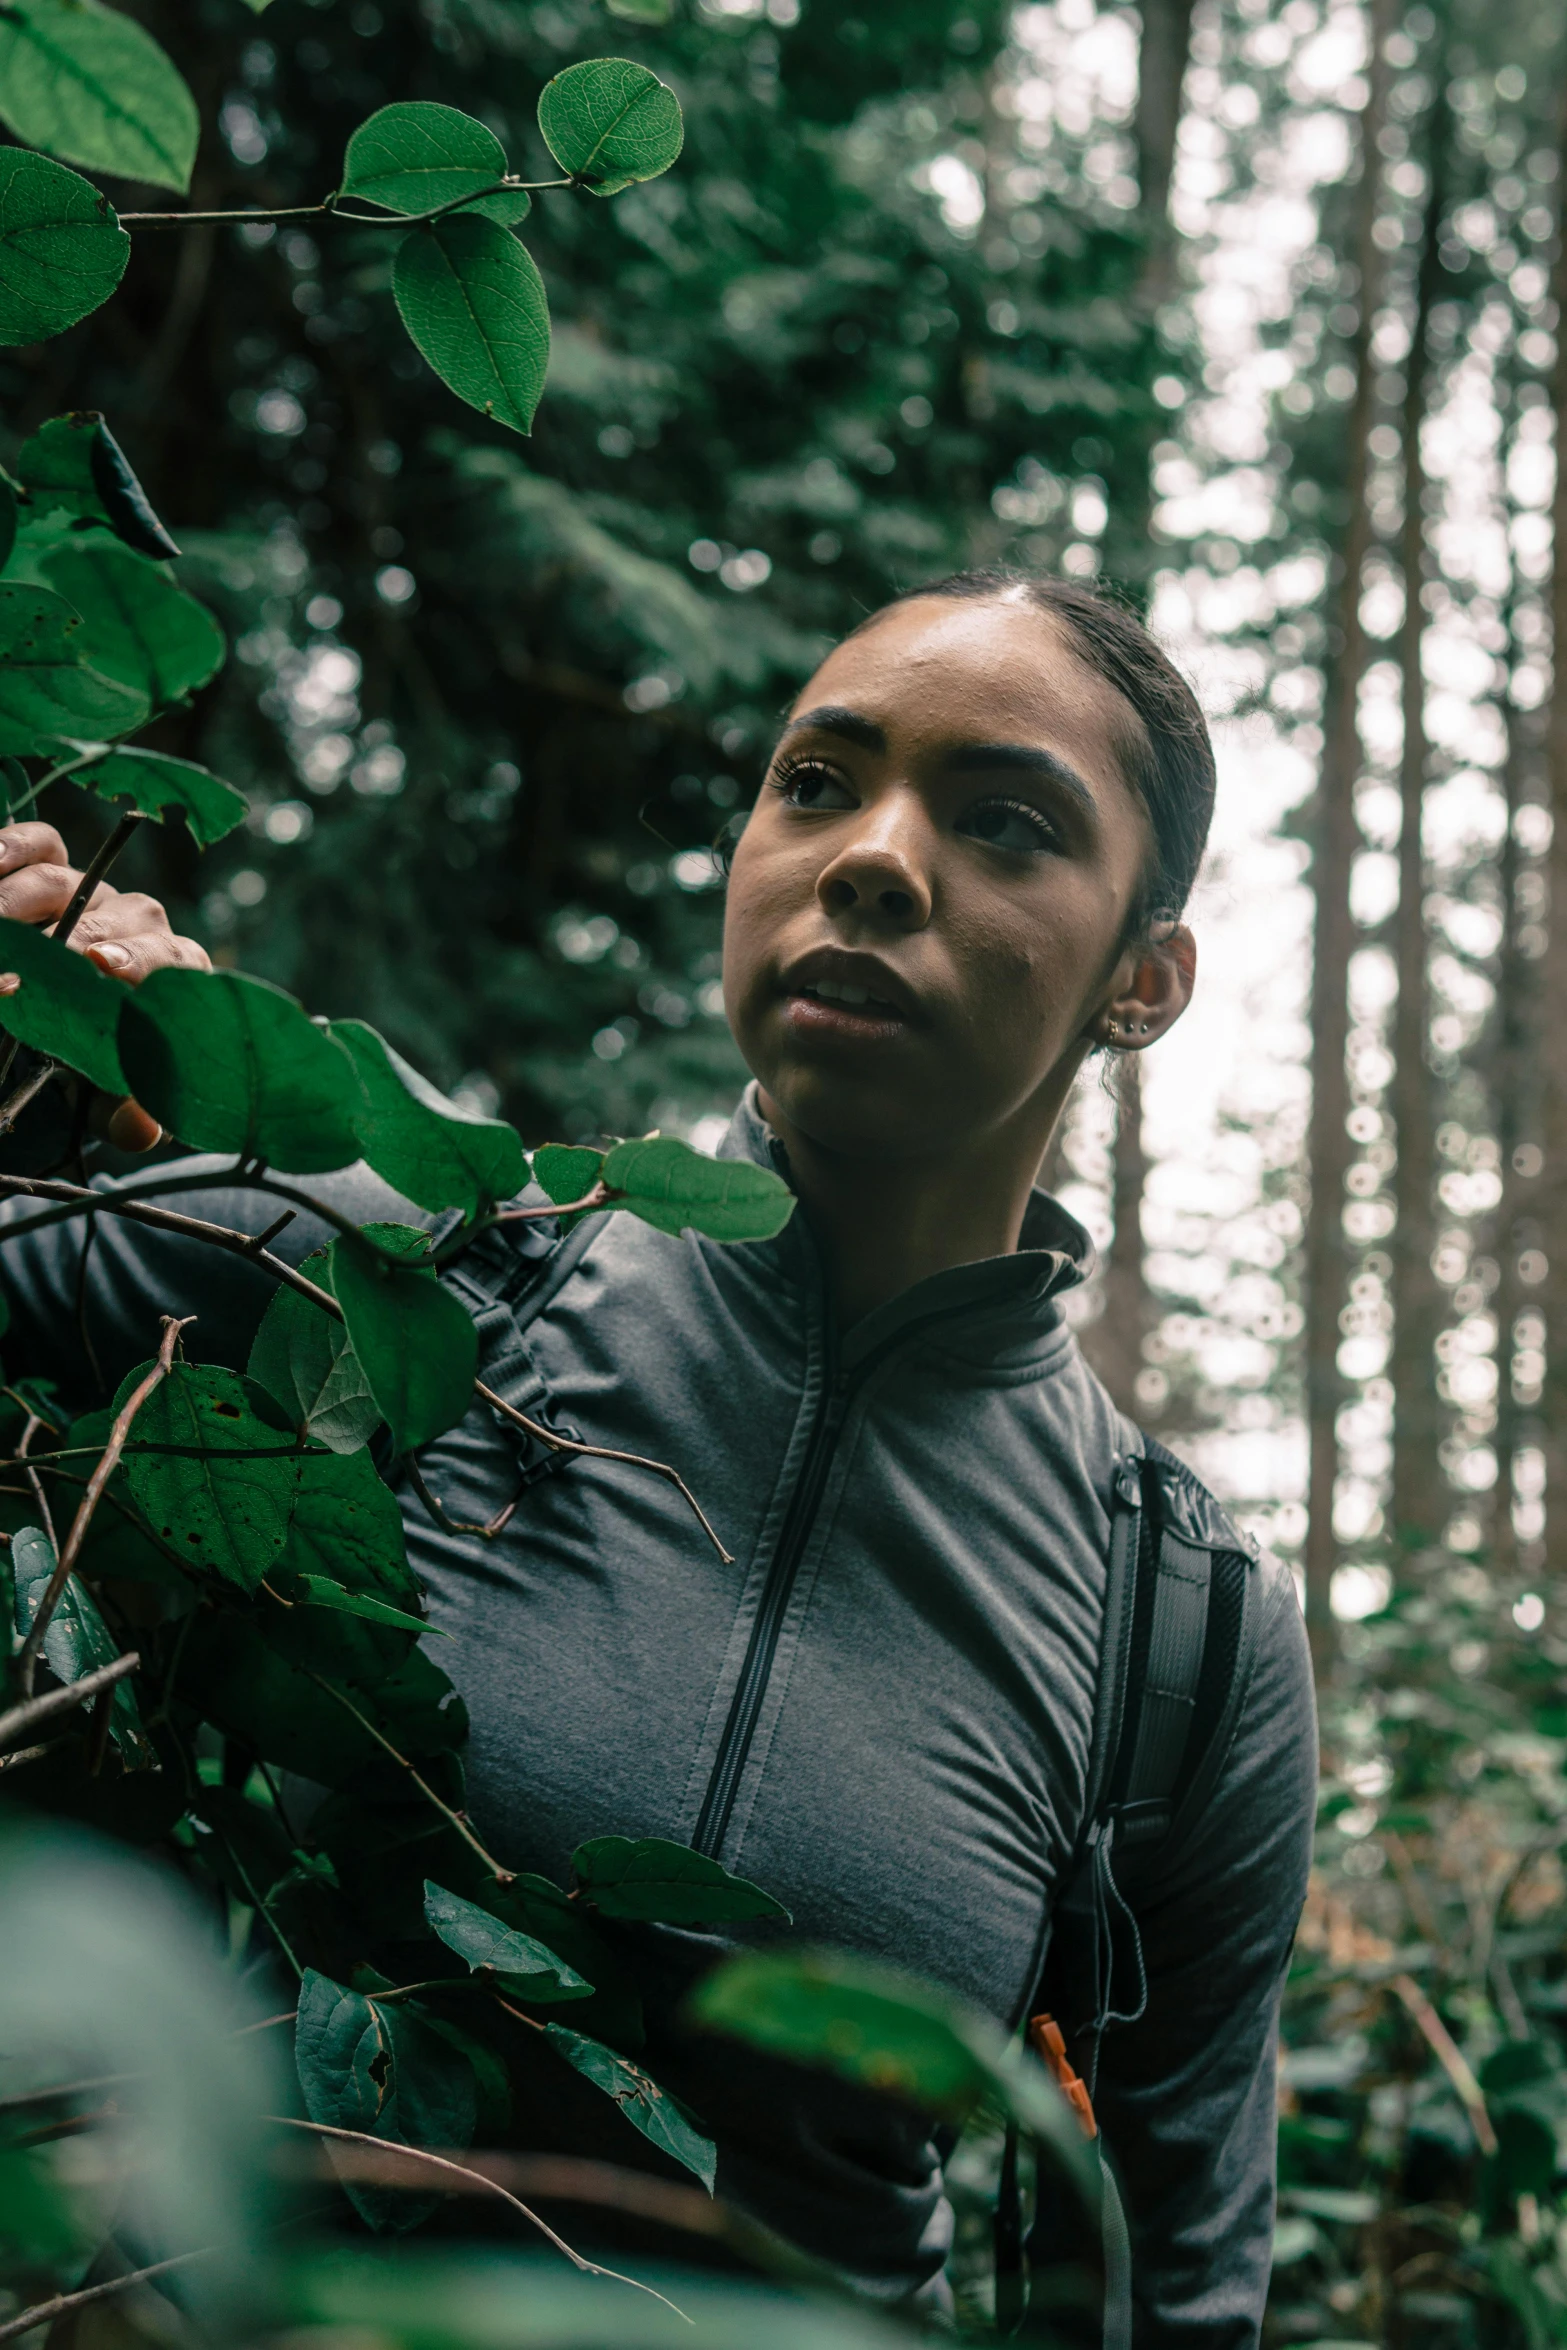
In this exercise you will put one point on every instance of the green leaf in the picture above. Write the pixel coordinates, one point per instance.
(610, 123)
(414, 156)
(247, 1687)
(420, 1143)
(64, 1006)
(8, 520)
(367, 2066)
(565, 1172)
(62, 250)
(229, 1063)
(645, 2105)
(307, 1364)
(542, 1910)
(321, 1591)
(416, 1342)
(89, 84)
(47, 692)
(890, 2032)
(137, 626)
(73, 464)
(157, 784)
(675, 1189)
(474, 303)
(76, 1639)
(347, 1525)
(516, 1960)
(224, 1499)
(652, 1878)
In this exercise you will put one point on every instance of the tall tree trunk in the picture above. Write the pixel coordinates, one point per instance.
(1509, 1066)
(1333, 853)
(1161, 70)
(1114, 1343)
(1553, 975)
(1417, 1478)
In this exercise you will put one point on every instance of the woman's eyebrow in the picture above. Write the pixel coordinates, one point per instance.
(1019, 758)
(832, 719)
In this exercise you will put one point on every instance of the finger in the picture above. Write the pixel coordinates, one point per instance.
(37, 893)
(131, 959)
(130, 1128)
(30, 844)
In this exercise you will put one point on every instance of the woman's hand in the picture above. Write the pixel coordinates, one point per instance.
(124, 932)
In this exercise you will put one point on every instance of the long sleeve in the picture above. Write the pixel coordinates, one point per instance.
(1186, 2096)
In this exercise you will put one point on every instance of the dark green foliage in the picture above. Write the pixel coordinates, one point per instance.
(651, 1878)
(138, 627)
(515, 1960)
(645, 2105)
(62, 251)
(153, 783)
(63, 1006)
(370, 2065)
(214, 1480)
(474, 302)
(230, 1064)
(415, 1343)
(423, 1145)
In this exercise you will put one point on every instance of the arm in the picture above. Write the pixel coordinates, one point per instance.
(1186, 2095)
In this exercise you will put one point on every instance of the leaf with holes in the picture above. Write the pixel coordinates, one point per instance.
(74, 465)
(160, 786)
(346, 1525)
(90, 85)
(473, 301)
(76, 1639)
(416, 1342)
(232, 1064)
(610, 123)
(651, 1878)
(519, 1964)
(48, 694)
(137, 626)
(62, 250)
(646, 2106)
(420, 1143)
(676, 1189)
(416, 155)
(64, 1006)
(222, 1491)
(367, 2065)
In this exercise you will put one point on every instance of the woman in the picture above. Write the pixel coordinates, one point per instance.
(962, 877)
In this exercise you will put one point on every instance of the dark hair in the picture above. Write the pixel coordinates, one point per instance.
(1167, 757)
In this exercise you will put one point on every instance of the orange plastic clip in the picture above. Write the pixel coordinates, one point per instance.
(1044, 2037)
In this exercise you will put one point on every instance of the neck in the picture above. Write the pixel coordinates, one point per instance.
(884, 1224)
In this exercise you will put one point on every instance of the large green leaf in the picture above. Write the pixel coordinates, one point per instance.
(62, 249)
(420, 1143)
(518, 1963)
(89, 84)
(645, 2105)
(651, 1878)
(346, 1526)
(307, 1364)
(73, 464)
(294, 1715)
(417, 1345)
(137, 626)
(675, 1188)
(474, 303)
(64, 1006)
(415, 155)
(47, 691)
(566, 1171)
(610, 123)
(223, 1493)
(365, 2065)
(76, 1639)
(159, 785)
(229, 1063)
(892, 2032)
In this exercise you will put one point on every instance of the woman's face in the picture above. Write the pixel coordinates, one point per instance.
(926, 908)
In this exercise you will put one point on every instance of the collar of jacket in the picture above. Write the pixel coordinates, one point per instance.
(1005, 1293)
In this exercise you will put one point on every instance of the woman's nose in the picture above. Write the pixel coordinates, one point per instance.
(884, 871)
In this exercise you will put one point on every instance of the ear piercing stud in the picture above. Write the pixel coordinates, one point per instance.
(1133, 1028)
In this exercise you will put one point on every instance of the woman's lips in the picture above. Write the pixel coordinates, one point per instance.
(831, 1009)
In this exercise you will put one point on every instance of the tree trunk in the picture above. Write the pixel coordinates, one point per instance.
(1333, 853)
(1553, 976)
(1114, 1343)
(1417, 1477)
(1161, 70)
(1509, 1067)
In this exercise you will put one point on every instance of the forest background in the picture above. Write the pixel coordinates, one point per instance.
(1249, 311)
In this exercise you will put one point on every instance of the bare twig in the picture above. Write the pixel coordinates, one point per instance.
(501, 1876)
(502, 187)
(562, 2179)
(1451, 2059)
(59, 1701)
(109, 1461)
(29, 1754)
(599, 1197)
(239, 1244)
(44, 2313)
(420, 2154)
(95, 872)
(602, 1452)
(28, 1091)
(35, 1487)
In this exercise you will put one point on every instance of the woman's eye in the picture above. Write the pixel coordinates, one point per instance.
(814, 787)
(1010, 824)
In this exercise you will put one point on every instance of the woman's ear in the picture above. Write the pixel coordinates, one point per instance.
(1158, 992)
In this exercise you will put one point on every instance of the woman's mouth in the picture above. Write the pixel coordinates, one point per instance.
(832, 1007)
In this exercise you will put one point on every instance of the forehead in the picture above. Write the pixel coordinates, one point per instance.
(942, 670)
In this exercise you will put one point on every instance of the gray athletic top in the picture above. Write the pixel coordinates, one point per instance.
(881, 1711)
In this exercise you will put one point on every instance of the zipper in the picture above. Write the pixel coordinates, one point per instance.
(745, 1706)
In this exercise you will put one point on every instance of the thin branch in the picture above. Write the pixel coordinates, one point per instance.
(568, 2178)
(419, 2154)
(27, 1662)
(501, 1876)
(26, 1093)
(503, 187)
(239, 1244)
(1451, 2059)
(44, 2313)
(95, 872)
(30, 1754)
(599, 1197)
(602, 1452)
(35, 1487)
(59, 1701)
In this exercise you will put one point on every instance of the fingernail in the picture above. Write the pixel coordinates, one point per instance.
(112, 957)
(10, 981)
